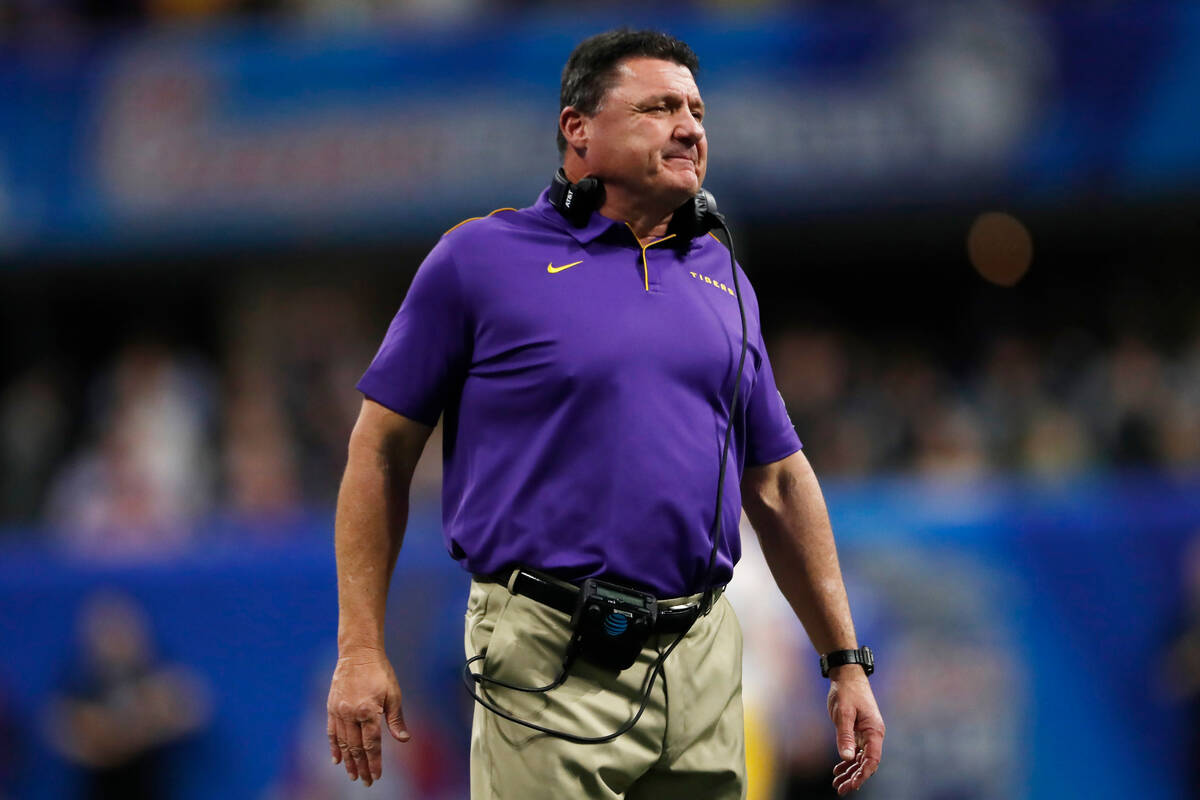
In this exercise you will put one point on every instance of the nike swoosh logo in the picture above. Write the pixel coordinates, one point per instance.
(551, 268)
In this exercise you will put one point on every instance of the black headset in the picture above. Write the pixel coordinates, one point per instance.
(577, 202)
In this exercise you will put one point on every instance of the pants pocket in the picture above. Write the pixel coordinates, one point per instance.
(525, 648)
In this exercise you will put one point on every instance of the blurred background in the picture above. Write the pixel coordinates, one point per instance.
(973, 228)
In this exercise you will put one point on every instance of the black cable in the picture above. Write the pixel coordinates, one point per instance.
(471, 678)
(737, 385)
(481, 678)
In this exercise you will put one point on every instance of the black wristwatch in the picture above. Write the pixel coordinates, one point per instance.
(837, 658)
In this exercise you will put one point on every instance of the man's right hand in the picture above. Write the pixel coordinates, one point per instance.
(363, 688)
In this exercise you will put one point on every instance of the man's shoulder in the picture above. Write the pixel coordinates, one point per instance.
(717, 236)
(492, 246)
(485, 221)
(497, 225)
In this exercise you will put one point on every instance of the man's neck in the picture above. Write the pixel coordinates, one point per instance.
(648, 221)
(647, 218)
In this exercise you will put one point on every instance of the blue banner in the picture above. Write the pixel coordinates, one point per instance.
(262, 135)
(1021, 631)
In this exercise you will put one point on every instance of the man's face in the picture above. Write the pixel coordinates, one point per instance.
(647, 135)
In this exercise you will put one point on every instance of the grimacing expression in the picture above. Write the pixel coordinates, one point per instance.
(648, 134)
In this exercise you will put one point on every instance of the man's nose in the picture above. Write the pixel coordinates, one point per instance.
(688, 129)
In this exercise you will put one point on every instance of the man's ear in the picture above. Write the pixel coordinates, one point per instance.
(574, 126)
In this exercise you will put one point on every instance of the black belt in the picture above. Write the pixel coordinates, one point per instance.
(563, 597)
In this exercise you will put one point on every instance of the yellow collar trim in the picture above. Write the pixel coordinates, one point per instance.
(645, 266)
(472, 219)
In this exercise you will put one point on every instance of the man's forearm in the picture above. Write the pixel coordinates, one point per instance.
(788, 512)
(372, 512)
(784, 503)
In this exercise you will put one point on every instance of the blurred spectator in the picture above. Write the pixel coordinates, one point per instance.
(138, 487)
(1179, 436)
(1008, 392)
(33, 435)
(1182, 667)
(122, 707)
(1054, 443)
(949, 442)
(295, 354)
(262, 485)
(1178, 439)
(1138, 393)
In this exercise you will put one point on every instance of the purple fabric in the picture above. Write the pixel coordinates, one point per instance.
(584, 414)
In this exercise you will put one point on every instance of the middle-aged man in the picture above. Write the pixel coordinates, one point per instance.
(583, 353)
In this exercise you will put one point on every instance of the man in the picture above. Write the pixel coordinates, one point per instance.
(584, 361)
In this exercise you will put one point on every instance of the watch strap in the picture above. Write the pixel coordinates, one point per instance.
(862, 656)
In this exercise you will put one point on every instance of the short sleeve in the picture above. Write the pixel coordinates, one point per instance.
(770, 435)
(426, 350)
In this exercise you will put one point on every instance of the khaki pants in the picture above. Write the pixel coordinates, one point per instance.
(689, 743)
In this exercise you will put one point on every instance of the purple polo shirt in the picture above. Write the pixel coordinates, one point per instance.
(584, 382)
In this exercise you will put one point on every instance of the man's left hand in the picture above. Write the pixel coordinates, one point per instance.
(859, 726)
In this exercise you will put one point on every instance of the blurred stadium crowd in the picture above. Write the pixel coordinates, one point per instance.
(169, 436)
(130, 456)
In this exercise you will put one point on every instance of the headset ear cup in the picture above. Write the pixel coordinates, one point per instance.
(696, 217)
(576, 201)
(706, 211)
(688, 220)
(591, 197)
